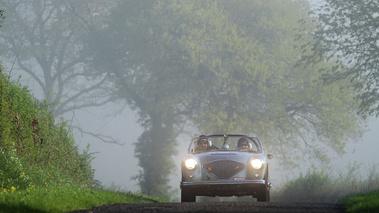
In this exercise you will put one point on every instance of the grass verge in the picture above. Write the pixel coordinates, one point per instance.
(364, 202)
(64, 199)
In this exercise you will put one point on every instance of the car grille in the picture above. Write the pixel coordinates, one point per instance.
(224, 169)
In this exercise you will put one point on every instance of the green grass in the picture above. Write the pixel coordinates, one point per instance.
(64, 199)
(362, 203)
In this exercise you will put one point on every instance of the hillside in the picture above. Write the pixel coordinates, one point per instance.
(41, 169)
(35, 149)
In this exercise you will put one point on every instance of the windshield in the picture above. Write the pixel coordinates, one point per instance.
(226, 143)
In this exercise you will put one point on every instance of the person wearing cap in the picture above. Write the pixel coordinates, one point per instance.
(202, 143)
(243, 143)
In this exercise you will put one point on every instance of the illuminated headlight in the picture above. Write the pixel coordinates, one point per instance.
(256, 163)
(190, 163)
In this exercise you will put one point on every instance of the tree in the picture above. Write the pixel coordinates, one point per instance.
(347, 35)
(253, 85)
(144, 73)
(45, 39)
(227, 66)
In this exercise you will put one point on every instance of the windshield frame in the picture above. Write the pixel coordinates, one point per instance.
(228, 144)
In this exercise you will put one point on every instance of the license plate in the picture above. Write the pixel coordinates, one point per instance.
(239, 178)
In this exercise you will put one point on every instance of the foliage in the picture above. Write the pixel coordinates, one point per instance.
(346, 34)
(364, 202)
(327, 186)
(313, 187)
(34, 149)
(64, 198)
(225, 66)
(249, 83)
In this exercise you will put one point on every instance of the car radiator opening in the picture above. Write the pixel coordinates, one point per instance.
(224, 169)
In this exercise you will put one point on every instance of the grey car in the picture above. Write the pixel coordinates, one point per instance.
(224, 168)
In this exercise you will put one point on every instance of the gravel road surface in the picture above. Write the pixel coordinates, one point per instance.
(225, 207)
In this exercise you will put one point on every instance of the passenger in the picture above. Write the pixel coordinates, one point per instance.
(243, 143)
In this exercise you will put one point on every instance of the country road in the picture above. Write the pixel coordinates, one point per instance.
(229, 207)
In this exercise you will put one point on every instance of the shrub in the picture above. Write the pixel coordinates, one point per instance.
(320, 186)
(314, 186)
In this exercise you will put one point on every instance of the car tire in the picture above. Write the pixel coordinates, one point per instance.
(264, 194)
(187, 196)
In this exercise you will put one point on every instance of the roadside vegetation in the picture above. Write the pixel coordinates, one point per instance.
(35, 149)
(41, 168)
(328, 187)
(356, 187)
(64, 198)
(364, 202)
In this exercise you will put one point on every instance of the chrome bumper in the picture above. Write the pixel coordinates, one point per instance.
(229, 182)
(224, 188)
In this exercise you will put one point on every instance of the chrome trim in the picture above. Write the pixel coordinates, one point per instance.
(231, 182)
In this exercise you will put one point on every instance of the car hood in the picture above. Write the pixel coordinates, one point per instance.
(242, 157)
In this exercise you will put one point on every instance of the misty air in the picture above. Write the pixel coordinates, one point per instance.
(248, 103)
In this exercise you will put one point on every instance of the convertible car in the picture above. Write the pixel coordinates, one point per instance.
(225, 165)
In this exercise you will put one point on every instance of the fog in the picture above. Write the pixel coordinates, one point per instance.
(115, 164)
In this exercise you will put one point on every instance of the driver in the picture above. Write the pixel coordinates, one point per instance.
(202, 143)
(243, 143)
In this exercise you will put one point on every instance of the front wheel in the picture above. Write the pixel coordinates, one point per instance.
(264, 195)
(187, 196)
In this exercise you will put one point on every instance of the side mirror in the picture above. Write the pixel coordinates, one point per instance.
(270, 156)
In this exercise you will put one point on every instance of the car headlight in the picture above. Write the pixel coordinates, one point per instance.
(256, 163)
(190, 163)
